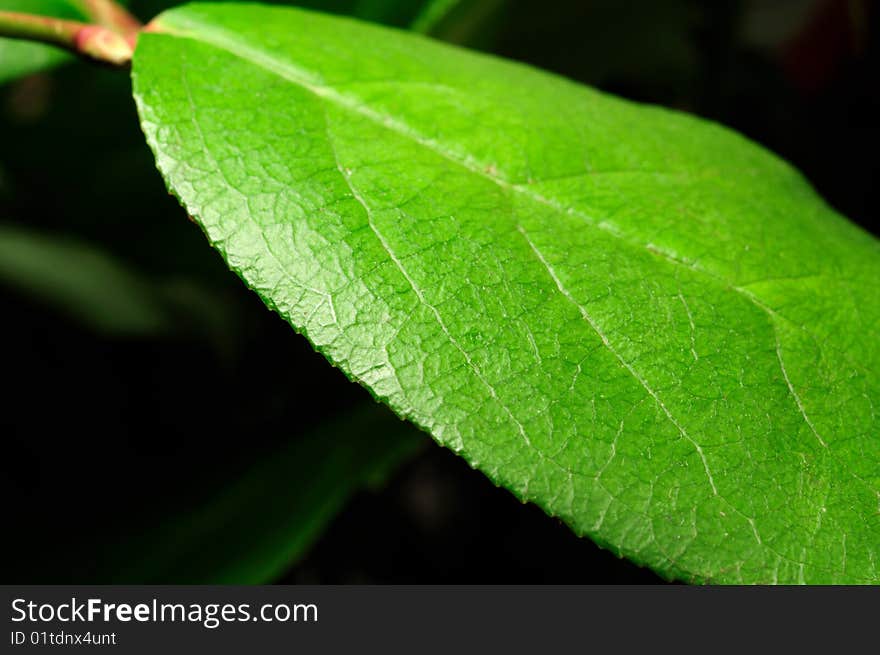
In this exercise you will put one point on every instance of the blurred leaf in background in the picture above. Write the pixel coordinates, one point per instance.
(82, 282)
(249, 529)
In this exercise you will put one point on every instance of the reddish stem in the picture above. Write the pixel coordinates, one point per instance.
(92, 41)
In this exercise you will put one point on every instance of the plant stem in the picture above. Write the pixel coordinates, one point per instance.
(92, 41)
(111, 15)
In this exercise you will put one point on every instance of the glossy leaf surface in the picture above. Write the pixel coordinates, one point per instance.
(641, 321)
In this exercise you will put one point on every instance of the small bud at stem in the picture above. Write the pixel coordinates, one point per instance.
(102, 44)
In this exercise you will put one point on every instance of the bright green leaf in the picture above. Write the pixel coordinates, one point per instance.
(639, 320)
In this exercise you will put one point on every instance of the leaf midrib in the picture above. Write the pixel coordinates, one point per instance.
(223, 40)
(232, 44)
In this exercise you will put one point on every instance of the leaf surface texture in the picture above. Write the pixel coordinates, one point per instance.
(641, 321)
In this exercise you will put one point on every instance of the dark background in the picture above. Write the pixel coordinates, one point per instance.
(100, 428)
